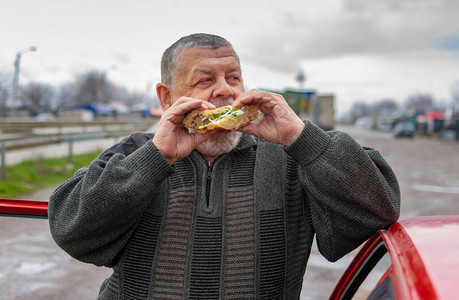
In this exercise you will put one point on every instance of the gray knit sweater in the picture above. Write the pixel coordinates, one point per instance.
(240, 228)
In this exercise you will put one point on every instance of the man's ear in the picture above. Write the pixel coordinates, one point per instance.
(164, 95)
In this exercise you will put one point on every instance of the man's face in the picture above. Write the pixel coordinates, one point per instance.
(212, 75)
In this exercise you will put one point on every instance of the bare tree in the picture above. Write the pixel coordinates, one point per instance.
(67, 95)
(419, 103)
(384, 107)
(6, 85)
(93, 87)
(37, 96)
(359, 109)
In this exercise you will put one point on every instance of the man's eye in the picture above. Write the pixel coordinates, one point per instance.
(234, 78)
(205, 80)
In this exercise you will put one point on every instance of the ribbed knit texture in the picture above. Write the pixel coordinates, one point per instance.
(298, 244)
(272, 254)
(153, 224)
(206, 259)
(240, 249)
(139, 258)
(171, 261)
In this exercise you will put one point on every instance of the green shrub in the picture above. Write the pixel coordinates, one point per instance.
(28, 176)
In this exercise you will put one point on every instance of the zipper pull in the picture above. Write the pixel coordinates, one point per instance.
(209, 170)
(208, 182)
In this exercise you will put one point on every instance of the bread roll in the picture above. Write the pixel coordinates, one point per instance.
(225, 117)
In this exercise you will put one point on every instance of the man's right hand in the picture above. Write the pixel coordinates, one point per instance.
(172, 138)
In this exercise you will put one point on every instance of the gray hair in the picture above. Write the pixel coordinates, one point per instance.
(170, 63)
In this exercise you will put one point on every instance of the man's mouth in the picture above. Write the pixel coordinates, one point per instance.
(221, 102)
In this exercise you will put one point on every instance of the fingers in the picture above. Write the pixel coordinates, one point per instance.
(271, 104)
(279, 124)
(176, 113)
(186, 104)
(252, 97)
(248, 98)
(264, 100)
(202, 137)
(250, 129)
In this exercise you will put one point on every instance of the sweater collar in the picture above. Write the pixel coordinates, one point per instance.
(246, 141)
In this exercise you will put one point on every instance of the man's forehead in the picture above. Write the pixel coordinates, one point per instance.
(199, 56)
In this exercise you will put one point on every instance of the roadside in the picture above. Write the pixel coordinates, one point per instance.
(34, 267)
(57, 150)
(42, 194)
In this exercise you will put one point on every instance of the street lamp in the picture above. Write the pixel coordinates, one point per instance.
(17, 63)
(301, 78)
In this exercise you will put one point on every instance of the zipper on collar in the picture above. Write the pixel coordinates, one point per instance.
(210, 165)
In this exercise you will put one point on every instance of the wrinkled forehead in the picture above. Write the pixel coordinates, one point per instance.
(189, 58)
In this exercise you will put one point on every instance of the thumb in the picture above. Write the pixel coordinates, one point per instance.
(202, 137)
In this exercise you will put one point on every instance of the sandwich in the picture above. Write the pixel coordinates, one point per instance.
(225, 117)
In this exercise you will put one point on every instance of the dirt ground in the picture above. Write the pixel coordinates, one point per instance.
(33, 267)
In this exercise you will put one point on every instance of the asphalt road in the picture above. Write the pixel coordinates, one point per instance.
(427, 171)
(33, 267)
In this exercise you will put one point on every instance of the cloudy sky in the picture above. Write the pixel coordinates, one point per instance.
(359, 50)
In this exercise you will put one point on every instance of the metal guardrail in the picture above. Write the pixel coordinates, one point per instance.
(5, 123)
(21, 140)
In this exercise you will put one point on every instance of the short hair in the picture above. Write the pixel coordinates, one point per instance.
(170, 64)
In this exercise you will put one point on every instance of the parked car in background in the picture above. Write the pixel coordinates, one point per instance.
(404, 129)
(416, 258)
(45, 117)
(365, 122)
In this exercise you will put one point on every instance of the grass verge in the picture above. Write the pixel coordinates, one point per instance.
(30, 175)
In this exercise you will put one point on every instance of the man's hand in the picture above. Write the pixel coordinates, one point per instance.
(280, 124)
(172, 138)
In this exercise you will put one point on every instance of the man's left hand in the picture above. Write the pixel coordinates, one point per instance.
(280, 124)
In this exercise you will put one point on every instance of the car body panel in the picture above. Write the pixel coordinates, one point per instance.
(437, 242)
(424, 254)
(410, 278)
(24, 208)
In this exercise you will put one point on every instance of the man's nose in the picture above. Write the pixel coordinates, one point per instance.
(222, 89)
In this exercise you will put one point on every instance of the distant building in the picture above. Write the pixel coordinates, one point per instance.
(309, 105)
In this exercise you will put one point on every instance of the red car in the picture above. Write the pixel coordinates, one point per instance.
(416, 258)
(24, 208)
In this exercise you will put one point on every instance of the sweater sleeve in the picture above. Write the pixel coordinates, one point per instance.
(93, 214)
(351, 190)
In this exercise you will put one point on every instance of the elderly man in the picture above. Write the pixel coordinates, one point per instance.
(223, 214)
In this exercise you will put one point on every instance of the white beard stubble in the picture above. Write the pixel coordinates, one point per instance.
(220, 142)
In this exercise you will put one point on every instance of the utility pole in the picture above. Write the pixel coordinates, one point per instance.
(17, 67)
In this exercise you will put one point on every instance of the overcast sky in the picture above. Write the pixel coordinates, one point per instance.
(359, 50)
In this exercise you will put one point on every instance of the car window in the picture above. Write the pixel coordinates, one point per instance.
(369, 274)
(384, 291)
(367, 287)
